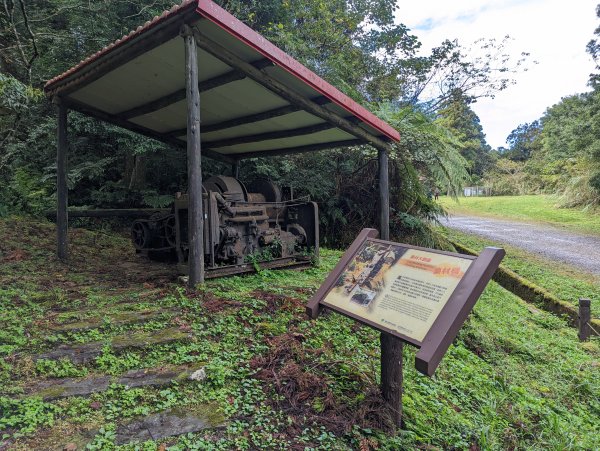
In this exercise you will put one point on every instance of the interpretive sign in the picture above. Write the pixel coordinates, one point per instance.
(421, 296)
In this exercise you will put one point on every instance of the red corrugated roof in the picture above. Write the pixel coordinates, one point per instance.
(233, 26)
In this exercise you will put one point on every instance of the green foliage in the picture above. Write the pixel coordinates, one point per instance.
(333, 39)
(457, 116)
(431, 148)
(25, 416)
(559, 154)
(59, 368)
(26, 192)
(16, 96)
(508, 178)
(267, 254)
(569, 155)
(523, 141)
(595, 181)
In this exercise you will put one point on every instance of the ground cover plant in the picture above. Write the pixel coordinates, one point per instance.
(539, 208)
(515, 378)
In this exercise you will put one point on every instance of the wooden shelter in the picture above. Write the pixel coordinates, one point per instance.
(196, 77)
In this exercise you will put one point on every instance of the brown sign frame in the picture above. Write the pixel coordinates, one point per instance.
(450, 319)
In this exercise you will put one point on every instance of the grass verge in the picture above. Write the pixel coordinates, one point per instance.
(532, 208)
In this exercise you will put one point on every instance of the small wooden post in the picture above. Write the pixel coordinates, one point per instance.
(391, 347)
(235, 169)
(62, 191)
(585, 316)
(194, 151)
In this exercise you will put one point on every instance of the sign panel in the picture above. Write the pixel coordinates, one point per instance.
(396, 287)
(422, 296)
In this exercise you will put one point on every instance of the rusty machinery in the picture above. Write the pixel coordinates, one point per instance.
(243, 227)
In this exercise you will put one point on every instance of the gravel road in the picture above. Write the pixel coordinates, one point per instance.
(581, 251)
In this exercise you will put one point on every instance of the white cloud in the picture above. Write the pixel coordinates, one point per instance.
(553, 31)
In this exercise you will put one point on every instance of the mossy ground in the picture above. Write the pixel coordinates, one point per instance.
(515, 378)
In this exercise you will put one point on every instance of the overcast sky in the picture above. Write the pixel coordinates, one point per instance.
(555, 32)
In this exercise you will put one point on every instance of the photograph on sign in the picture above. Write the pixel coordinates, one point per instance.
(399, 288)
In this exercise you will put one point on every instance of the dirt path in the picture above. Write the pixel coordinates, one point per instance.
(581, 251)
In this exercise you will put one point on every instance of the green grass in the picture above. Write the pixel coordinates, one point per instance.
(566, 282)
(515, 378)
(532, 208)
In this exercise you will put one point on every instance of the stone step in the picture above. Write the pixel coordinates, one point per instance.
(53, 389)
(85, 353)
(113, 319)
(170, 423)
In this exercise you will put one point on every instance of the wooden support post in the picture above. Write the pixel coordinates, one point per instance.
(391, 375)
(235, 169)
(194, 151)
(384, 196)
(62, 191)
(391, 347)
(585, 316)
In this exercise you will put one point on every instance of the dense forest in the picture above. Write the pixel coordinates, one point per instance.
(356, 45)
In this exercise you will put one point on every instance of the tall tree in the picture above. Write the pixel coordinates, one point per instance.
(523, 141)
(457, 115)
(357, 45)
(593, 49)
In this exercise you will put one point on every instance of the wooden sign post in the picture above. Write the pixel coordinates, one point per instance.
(411, 294)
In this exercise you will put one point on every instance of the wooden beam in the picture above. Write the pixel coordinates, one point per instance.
(179, 95)
(279, 134)
(235, 169)
(251, 118)
(111, 119)
(194, 163)
(298, 149)
(286, 93)
(112, 213)
(62, 191)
